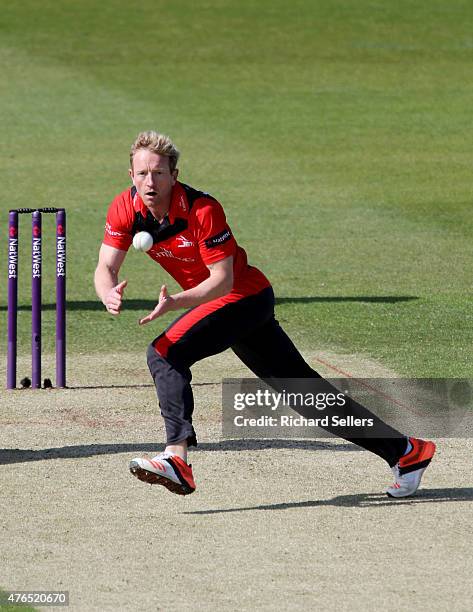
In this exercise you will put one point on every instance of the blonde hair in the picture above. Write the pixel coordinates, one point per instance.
(157, 143)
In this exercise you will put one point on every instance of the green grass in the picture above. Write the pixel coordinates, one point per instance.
(336, 134)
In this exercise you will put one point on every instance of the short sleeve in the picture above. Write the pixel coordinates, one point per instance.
(211, 230)
(119, 225)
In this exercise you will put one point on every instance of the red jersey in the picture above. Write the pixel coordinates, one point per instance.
(193, 235)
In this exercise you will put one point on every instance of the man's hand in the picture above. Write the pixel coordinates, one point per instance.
(165, 304)
(113, 299)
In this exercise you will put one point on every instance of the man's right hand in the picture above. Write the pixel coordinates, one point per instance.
(113, 299)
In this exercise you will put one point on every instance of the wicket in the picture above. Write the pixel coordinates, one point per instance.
(36, 273)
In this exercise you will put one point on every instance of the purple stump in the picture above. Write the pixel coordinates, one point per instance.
(61, 298)
(12, 297)
(36, 256)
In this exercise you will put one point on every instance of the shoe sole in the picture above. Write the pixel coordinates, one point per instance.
(416, 489)
(152, 478)
(408, 494)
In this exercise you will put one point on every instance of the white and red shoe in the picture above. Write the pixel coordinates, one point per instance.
(409, 469)
(167, 470)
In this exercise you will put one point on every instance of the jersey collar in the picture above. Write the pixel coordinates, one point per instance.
(179, 208)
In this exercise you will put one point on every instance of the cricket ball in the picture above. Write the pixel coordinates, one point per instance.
(142, 241)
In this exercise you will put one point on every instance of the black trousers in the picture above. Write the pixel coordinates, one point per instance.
(249, 328)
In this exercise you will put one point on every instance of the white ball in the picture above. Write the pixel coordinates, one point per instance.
(142, 241)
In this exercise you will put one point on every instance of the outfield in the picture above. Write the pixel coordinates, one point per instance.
(337, 136)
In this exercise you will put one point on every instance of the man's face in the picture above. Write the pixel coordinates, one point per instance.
(153, 179)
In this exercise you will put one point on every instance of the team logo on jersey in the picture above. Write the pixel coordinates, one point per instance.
(218, 239)
(111, 232)
(184, 242)
(167, 253)
(162, 252)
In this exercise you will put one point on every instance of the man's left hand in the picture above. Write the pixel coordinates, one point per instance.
(164, 305)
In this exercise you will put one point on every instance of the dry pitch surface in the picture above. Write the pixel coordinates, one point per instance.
(273, 525)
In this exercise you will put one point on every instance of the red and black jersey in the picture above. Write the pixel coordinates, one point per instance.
(193, 235)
